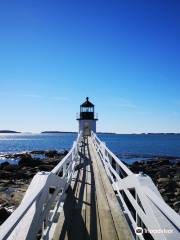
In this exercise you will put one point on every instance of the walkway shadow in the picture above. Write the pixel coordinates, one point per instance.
(74, 226)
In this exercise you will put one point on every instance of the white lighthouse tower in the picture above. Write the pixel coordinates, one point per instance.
(87, 120)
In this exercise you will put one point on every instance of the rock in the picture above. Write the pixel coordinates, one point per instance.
(27, 160)
(4, 164)
(20, 174)
(177, 204)
(37, 152)
(162, 162)
(163, 180)
(51, 161)
(166, 198)
(162, 190)
(26, 156)
(163, 173)
(177, 163)
(176, 178)
(171, 185)
(8, 156)
(169, 195)
(11, 167)
(46, 167)
(6, 175)
(4, 214)
(176, 193)
(65, 152)
(51, 153)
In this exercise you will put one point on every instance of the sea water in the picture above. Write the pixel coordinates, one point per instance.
(129, 147)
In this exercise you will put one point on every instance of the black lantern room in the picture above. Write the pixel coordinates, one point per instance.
(87, 110)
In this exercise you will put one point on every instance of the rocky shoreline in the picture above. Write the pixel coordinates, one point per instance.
(165, 173)
(15, 178)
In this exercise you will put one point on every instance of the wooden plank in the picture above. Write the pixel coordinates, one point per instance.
(64, 225)
(88, 199)
(108, 230)
(92, 217)
(62, 222)
(99, 235)
(78, 212)
(120, 224)
(59, 227)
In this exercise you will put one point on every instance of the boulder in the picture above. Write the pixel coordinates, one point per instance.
(20, 174)
(166, 198)
(46, 167)
(37, 152)
(51, 153)
(162, 162)
(177, 204)
(171, 185)
(10, 167)
(6, 175)
(4, 214)
(65, 152)
(163, 173)
(163, 180)
(50, 161)
(27, 160)
(4, 164)
(162, 190)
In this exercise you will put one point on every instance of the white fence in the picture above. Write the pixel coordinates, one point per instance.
(140, 199)
(36, 213)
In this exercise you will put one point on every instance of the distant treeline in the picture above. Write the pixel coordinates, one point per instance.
(56, 132)
(8, 131)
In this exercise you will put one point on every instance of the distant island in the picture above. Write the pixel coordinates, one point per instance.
(8, 131)
(74, 132)
(112, 133)
(106, 133)
(56, 132)
(161, 133)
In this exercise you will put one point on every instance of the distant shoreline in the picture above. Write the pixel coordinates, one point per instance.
(8, 131)
(56, 132)
(75, 132)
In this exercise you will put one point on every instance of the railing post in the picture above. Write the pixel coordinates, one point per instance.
(102, 148)
(117, 169)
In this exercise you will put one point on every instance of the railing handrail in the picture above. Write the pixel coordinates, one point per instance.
(144, 189)
(58, 167)
(115, 158)
(39, 187)
(163, 206)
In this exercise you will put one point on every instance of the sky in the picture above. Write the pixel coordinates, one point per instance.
(123, 54)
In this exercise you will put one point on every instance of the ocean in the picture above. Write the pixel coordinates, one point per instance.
(129, 147)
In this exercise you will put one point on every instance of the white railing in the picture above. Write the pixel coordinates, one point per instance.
(140, 199)
(36, 213)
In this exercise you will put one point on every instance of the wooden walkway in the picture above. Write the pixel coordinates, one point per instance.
(91, 209)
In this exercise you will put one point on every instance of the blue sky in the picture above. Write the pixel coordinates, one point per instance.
(123, 54)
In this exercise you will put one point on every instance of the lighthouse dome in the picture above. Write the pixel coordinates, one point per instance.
(87, 103)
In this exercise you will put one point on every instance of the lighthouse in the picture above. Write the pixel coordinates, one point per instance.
(86, 119)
